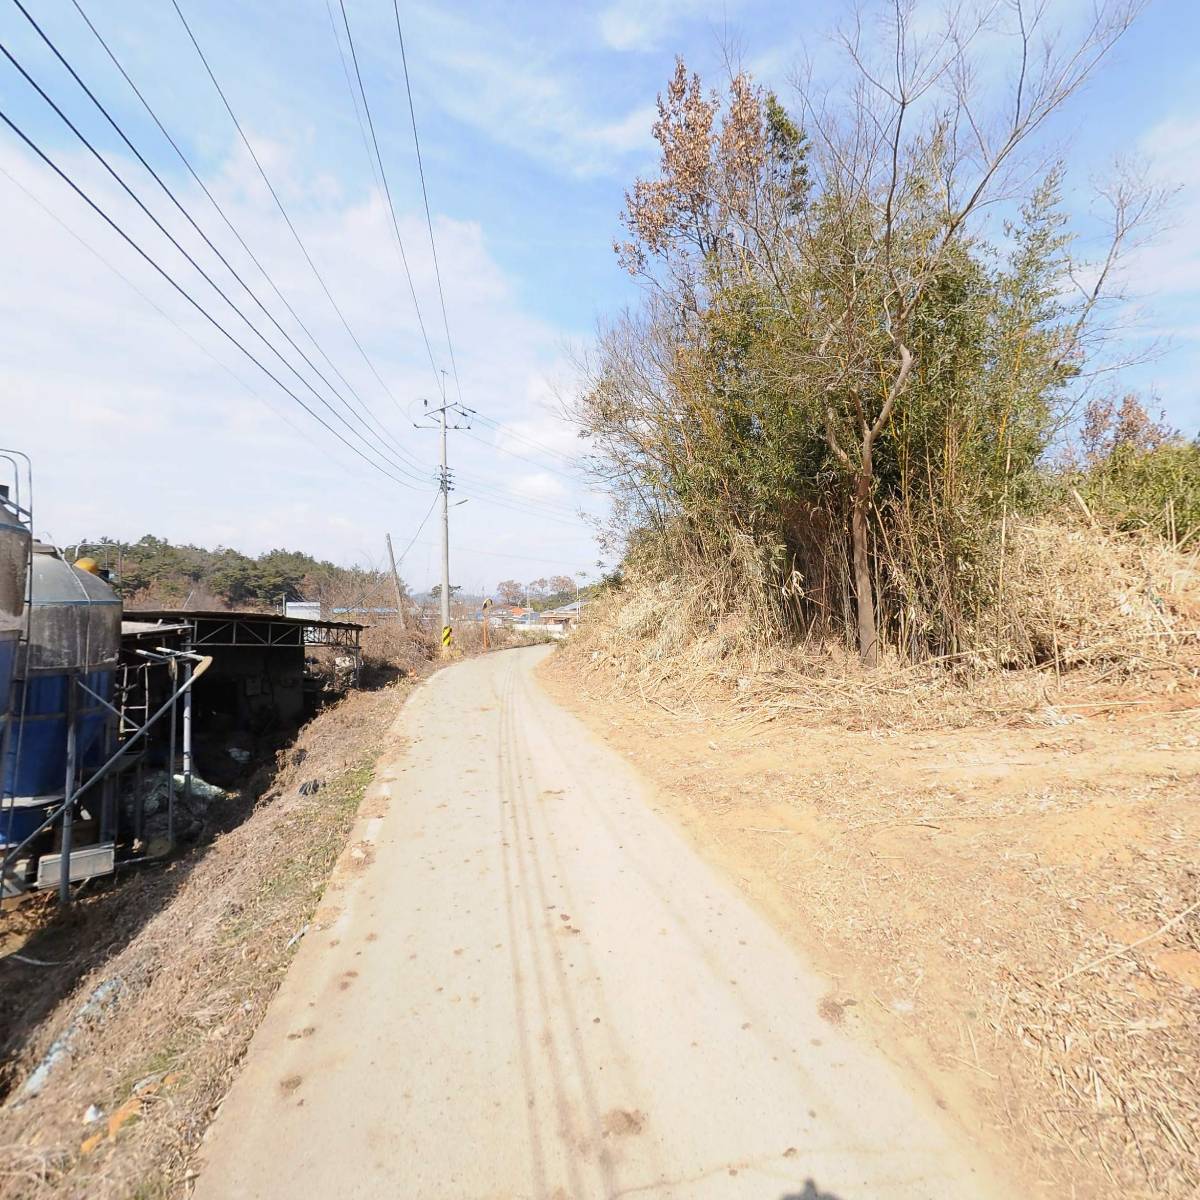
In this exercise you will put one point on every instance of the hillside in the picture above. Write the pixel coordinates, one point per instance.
(154, 572)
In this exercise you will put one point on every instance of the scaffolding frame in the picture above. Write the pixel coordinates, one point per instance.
(224, 629)
(194, 665)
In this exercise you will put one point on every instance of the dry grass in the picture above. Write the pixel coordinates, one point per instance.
(1076, 596)
(179, 963)
(1079, 607)
(392, 648)
(192, 955)
(963, 882)
(952, 884)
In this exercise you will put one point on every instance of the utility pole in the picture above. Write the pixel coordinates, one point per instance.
(396, 581)
(444, 485)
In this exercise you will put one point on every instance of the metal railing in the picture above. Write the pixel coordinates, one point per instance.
(194, 665)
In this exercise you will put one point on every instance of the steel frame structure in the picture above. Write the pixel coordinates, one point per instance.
(258, 629)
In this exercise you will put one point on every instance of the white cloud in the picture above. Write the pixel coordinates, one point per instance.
(538, 486)
(524, 96)
(1170, 267)
(630, 134)
(134, 428)
(642, 25)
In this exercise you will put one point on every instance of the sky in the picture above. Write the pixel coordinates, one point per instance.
(534, 119)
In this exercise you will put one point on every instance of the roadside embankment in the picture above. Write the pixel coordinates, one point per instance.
(151, 989)
(999, 872)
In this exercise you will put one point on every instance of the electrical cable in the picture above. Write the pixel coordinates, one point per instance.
(516, 435)
(499, 554)
(546, 509)
(217, 205)
(279, 204)
(166, 316)
(412, 540)
(208, 278)
(437, 271)
(362, 129)
(524, 458)
(378, 429)
(499, 490)
(116, 228)
(391, 204)
(545, 516)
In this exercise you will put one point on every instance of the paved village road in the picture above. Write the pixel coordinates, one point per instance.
(535, 988)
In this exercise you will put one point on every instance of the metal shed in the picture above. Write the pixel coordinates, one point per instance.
(257, 678)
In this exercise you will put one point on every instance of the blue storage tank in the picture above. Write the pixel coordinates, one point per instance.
(14, 569)
(74, 636)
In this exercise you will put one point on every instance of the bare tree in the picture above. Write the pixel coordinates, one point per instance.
(918, 155)
(825, 242)
(510, 591)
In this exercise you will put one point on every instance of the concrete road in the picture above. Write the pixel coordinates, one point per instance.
(534, 988)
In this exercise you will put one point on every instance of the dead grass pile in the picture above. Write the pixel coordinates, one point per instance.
(1016, 912)
(184, 962)
(1079, 606)
(1075, 596)
(393, 646)
(1111, 1037)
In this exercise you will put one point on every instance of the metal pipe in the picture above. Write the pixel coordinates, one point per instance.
(25, 514)
(188, 765)
(109, 820)
(96, 696)
(205, 663)
(139, 785)
(64, 861)
(171, 776)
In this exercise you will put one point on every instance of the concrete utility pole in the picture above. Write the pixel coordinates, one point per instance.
(396, 581)
(444, 485)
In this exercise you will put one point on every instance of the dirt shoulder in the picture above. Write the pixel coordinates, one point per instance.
(153, 987)
(954, 883)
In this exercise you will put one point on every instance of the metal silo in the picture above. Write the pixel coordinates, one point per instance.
(64, 679)
(14, 565)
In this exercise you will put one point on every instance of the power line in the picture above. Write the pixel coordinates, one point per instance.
(362, 129)
(491, 487)
(437, 271)
(191, 220)
(187, 295)
(208, 278)
(524, 458)
(413, 539)
(279, 204)
(499, 554)
(516, 435)
(521, 508)
(166, 316)
(388, 192)
(219, 209)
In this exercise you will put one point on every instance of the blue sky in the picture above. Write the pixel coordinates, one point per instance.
(534, 119)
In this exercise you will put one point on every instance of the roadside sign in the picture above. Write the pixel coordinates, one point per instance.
(446, 632)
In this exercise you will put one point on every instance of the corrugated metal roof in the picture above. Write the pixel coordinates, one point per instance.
(145, 628)
(187, 614)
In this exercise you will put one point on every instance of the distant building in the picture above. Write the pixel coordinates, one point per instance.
(564, 617)
(305, 610)
(510, 612)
